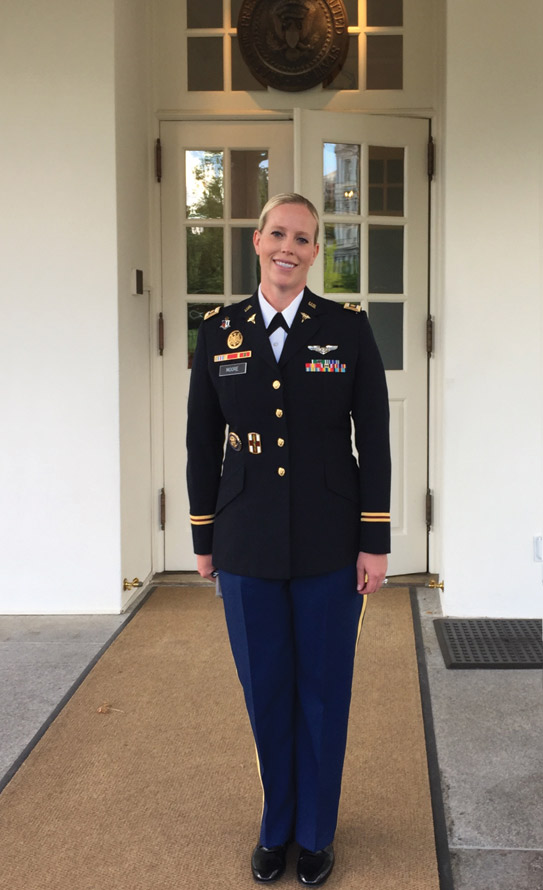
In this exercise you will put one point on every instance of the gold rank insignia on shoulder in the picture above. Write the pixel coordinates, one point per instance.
(235, 339)
(212, 312)
(354, 307)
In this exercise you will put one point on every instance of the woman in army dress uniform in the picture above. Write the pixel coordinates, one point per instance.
(297, 528)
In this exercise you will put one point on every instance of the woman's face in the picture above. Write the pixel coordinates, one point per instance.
(286, 248)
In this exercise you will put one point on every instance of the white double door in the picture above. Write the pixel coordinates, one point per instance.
(367, 177)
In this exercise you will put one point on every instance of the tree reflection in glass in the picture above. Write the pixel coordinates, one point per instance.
(249, 172)
(205, 260)
(204, 179)
(341, 259)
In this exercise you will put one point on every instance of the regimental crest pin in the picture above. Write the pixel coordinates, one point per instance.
(225, 323)
(322, 350)
(255, 443)
(235, 339)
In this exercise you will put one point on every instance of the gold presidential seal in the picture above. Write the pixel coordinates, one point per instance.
(293, 45)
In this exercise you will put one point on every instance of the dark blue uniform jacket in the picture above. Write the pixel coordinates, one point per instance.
(283, 495)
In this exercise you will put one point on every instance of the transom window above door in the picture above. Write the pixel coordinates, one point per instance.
(375, 58)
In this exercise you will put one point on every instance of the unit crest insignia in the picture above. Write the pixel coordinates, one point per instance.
(255, 443)
(225, 323)
(235, 339)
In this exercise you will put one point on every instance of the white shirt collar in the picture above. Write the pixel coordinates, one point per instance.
(268, 312)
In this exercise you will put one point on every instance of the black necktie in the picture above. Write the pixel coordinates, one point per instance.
(277, 322)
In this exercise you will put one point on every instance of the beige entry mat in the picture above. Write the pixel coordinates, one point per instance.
(147, 780)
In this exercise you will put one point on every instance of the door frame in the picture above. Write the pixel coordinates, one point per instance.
(434, 296)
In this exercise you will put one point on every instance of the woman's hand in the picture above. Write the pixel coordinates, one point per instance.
(204, 564)
(371, 569)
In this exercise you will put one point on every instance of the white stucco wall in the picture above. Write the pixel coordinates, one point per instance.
(59, 399)
(491, 499)
(134, 179)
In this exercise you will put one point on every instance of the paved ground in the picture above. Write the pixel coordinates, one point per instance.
(488, 726)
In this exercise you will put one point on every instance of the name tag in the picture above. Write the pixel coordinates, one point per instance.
(230, 370)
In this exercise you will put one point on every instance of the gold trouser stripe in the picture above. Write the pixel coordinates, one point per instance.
(375, 517)
(361, 621)
(260, 778)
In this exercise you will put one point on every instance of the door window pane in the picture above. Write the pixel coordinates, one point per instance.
(341, 259)
(386, 320)
(249, 183)
(242, 79)
(386, 181)
(204, 184)
(384, 62)
(347, 78)
(341, 166)
(384, 13)
(204, 15)
(205, 63)
(195, 317)
(245, 264)
(205, 260)
(385, 259)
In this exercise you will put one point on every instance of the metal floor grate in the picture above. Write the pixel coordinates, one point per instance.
(490, 642)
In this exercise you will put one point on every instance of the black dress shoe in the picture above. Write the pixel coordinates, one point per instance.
(268, 863)
(314, 868)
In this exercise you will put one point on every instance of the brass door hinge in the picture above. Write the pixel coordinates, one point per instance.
(162, 509)
(158, 161)
(429, 509)
(160, 333)
(430, 336)
(431, 158)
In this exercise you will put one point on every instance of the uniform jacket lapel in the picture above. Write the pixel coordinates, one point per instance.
(306, 324)
(255, 331)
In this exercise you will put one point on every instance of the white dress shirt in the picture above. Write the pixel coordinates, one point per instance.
(277, 339)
